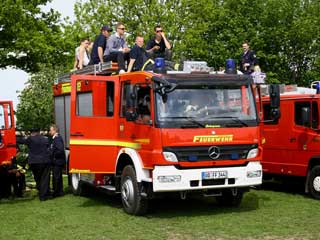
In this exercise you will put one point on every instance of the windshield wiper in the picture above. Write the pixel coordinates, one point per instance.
(234, 119)
(191, 120)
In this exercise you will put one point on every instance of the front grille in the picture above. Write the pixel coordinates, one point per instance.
(200, 153)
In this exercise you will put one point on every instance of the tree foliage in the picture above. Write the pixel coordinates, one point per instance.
(29, 37)
(284, 33)
(35, 109)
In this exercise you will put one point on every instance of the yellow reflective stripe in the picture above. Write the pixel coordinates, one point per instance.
(87, 171)
(143, 140)
(104, 143)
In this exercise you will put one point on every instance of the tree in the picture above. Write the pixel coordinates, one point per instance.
(35, 109)
(30, 37)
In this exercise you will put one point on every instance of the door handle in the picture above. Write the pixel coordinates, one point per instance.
(293, 139)
(77, 134)
(11, 145)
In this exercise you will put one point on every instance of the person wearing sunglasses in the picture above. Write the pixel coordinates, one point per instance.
(99, 45)
(159, 46)
(117, 48)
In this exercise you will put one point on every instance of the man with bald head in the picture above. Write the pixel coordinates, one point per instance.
(138, 55)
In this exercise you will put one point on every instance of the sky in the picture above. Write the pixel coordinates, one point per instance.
(13, 80)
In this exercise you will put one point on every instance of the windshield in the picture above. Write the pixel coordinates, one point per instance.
(207, 106)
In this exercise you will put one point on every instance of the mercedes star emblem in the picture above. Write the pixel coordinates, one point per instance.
(214, 152)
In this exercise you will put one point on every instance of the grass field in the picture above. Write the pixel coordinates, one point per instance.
(264, 214)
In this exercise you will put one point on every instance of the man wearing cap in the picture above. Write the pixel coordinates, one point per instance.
(99, 45)
(39, 161)
(117, 48)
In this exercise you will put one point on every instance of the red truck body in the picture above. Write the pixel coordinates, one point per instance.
(292, 143)
(127, 134)
(7, 132)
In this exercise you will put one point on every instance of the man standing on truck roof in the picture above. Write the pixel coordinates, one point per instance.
(117, 48)
(248, 59)
(99, 45)
(159, 46)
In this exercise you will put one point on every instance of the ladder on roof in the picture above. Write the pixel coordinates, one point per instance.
(106, 68)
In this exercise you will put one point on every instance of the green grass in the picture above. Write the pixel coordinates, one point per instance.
(263, 214)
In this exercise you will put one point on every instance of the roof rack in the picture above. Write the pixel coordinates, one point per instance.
(106, 68)
(288, 89)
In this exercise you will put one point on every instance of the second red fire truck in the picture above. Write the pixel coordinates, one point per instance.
(144, 134)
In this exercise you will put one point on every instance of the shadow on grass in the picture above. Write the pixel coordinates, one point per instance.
(198, 206)
(173, 206)
(289, 185)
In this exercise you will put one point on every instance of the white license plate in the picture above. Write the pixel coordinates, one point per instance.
(215, 175)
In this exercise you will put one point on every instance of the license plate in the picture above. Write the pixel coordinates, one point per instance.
(214, 175)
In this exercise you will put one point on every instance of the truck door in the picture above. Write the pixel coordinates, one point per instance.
(276, 134)
(140, 130)
(7, 131)
(303, 139)
(93, 124)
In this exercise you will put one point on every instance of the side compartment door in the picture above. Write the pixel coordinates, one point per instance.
(93, 143)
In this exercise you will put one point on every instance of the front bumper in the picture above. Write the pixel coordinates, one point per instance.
(169, 178)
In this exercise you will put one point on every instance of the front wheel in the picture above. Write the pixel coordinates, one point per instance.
(314, 182)
(230, 197)
(131, 198)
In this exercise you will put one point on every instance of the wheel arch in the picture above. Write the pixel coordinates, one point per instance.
(314, 161)
(128, 156)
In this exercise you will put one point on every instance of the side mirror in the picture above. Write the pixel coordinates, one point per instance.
(274, 91)
(131, 104)
(305, 117)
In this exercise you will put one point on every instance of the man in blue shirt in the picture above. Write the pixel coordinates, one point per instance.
(99, 45)
(117, 48)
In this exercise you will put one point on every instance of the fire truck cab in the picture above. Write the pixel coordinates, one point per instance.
(143, 134)
(7, 133)
(292, 143)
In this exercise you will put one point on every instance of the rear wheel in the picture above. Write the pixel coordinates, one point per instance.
(131, 198)
(314, 182)
(76, 184)
(230, 197)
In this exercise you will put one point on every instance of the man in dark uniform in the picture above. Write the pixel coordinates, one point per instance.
(159, 46)
(138, 55)
(99, 45)
(39, 161)
(248, 59)
(58, 160)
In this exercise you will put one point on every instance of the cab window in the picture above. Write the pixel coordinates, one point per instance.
(312, 108)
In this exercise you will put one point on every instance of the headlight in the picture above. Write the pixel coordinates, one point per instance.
(170, 157)
(253, 153)
(169, 179)
(254, 174)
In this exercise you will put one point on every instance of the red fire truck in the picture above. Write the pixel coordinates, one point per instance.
(292, 142)
(7, 133)
(144, 134)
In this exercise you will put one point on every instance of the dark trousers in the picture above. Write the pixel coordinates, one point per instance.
(118, 57)
(18, 183)
(5, 187)
(57, 181)
(41, 173)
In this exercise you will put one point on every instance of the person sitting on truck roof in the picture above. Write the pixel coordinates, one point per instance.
(117, 48)
(138, 56)
(99, 45)
(82, 57)
(159, 46)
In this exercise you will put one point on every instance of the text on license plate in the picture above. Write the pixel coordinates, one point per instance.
(214, 175)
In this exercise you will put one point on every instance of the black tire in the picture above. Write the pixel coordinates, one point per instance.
(76, 184)
(230, 198)
(314, 182)
(131, 198)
